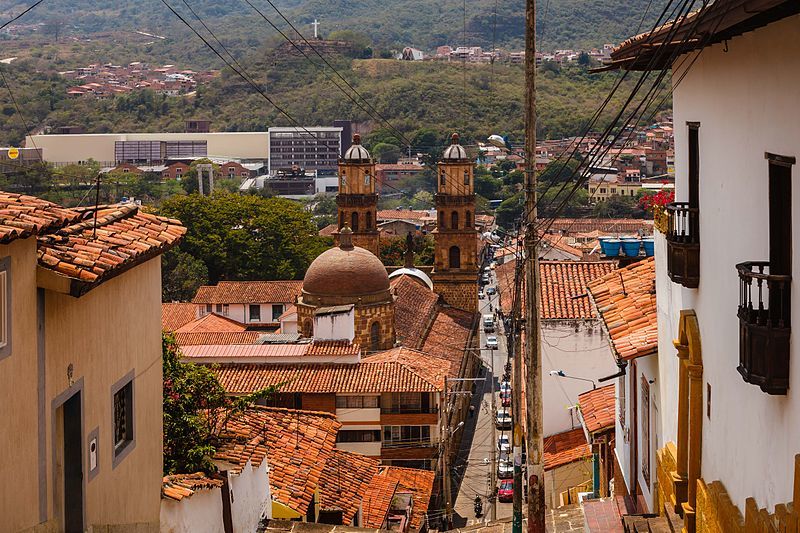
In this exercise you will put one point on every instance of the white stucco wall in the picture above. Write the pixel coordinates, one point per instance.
(647, 367)
(585, 354)
(747, 103)
(250, 497)
(335, 326)
(199, 513)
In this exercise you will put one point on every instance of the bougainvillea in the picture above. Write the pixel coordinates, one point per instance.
(661, 199)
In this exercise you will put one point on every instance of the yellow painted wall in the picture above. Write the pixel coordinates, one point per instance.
(109, 331)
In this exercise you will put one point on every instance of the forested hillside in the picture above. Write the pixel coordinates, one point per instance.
(412, 96)
(389, 23)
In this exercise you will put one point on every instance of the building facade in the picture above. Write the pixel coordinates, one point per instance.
(310, 148)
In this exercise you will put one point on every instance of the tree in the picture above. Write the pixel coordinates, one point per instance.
(324, 209)
(487, 186)
(181, 276)
(246, 237)
(386, 153)
(584, 60)
(509, 211)
(618, 207)
(196, 408)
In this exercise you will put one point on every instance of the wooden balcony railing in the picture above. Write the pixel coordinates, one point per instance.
(764, 326)
(683, 244)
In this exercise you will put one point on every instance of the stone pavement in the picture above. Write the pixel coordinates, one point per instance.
(602, 516)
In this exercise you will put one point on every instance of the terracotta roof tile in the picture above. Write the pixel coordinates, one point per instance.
(564, 448)
(328, 230)
(297, 444)
(180, 486)
(245, 292)
(626, 301)
(449, 336)
(396, 370)
(555, 241)
(564, 294)
(597, 408)
(23, 216)
(211, 322)
(608, 226)
(175, 315)
(414, 310)
(333, 349)
(218, 338)
(344, 481)
(404, 214)
(122, 237)
(395, 480)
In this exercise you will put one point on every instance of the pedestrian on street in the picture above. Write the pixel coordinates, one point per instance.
(471, 410)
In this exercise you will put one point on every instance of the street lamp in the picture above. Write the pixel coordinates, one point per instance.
(561, 374)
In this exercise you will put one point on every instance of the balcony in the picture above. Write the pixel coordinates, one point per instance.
(683, 244)
(764, 326)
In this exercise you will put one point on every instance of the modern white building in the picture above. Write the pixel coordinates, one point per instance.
(725, 425)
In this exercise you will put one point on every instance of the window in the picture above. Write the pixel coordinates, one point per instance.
(646, 430)
(441, 220)
(466, 177)
(369, 219)
(255, 313)
(455, 257)
(226, 309)
(359, 435)
(5, 307)
(123, 417)
(307, 328)
(441, 179)
(375, 336)
(354, 221)
(208, 308)
(344, 182)
(407, 402)
(277, 311)
(356, 402)
(468, 220)
(454, 220)
(406, 435)
(366, 178)
(621, 396)
(341, 220)
(219, 309)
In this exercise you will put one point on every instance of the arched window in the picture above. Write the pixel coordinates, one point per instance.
(468, 220)
(454, 220)
(441, 219)
(307, 330)
(375, 336)
(366, 178)
(466, 177)
(354, 221)
(341, 220)
(369, 220)
(441, 179)
(455, 257)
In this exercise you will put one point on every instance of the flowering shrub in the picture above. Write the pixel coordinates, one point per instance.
(661, 199)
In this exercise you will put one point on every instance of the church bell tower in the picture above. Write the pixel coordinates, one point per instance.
(455, 270)
(357, 200)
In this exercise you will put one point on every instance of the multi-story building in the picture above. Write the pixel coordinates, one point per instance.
(254, 304)
(310, 148)
(80, 365)
(718, 425)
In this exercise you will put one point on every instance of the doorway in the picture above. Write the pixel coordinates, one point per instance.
(73, 465)
(780, 238)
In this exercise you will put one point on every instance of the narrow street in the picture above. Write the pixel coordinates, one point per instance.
(474, 462)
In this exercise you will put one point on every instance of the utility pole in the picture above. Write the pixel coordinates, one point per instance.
(493, 473)
(516, 401)
(446, 434)
(533, 342)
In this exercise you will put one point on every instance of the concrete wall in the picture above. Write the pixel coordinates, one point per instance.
(746, 101)
(563, 478)
(335, 326)
(584, 354)
(200, 513)
(250, 497)
(647, 368)
(100, 146)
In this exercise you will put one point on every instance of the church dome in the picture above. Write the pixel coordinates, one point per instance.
(346, 274)
(357, 153)
(455, 152)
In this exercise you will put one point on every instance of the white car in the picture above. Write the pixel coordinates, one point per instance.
(505, 386)
(503, 419)
(505, 469)
(491, 342)
(503, 443)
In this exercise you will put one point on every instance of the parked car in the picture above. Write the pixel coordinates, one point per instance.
(505, 399)
(505, 469)
(480, 294)
(503, 443)
(503, 419)
(506, 491)
(491, 342)
(488, 323)
(491, 290)
(505, 386)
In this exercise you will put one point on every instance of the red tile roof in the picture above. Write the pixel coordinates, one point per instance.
(23, 216)
(240, 352)
(333, 349)
(414, 310)
(396, 480)
(449, 336)
(597, 408)
(91, 252)
(404, 214)
(344, 481)
(564, 293)
(555, 241)
(328, 230)
(175, 315)
(180, 486)
(626, 301)
(245, 292)
(564, 448)
(217, 338)
(397, 370)
(296, 443)
(211, 322)
(614, 226)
